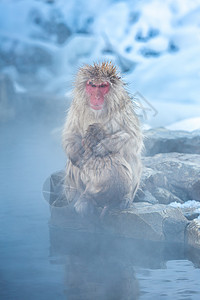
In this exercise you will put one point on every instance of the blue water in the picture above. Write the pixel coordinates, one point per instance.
(39, 261)
(26, 160)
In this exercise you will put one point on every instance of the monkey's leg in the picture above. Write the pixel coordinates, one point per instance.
(126, 202)
(104, 211)
(110, 195)
(85, 206)
(129, 198)
(110, 188)
(74, 187)
(74, 148)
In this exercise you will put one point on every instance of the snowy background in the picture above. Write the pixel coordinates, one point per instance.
(156, 45)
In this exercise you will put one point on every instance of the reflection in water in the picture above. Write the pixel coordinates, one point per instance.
(95, 266)
(100, 265)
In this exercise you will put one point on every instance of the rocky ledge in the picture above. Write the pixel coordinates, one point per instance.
(143, 221)
(193, 234)
(170, 177)
(161, 140)
(167, 177)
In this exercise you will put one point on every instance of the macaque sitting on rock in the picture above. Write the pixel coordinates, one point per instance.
(103, 142)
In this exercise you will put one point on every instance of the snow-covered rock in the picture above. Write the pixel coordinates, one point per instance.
(177, 173)
(142, 221)
(161, 140)
(190, 209)
(148, 222)
(189, 124)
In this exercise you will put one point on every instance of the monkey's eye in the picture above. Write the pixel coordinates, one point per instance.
(104, 84)
(91, 83)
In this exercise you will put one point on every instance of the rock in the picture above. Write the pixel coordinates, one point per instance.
(161, 140)
(167, 177)
(190, 209)
(145, 196)
(53, 190)
(171, 177)
(164, 196)
(156, 195)
(142, 221)
(190, 213)
(148, 222)
(66, 217)
(193, 234)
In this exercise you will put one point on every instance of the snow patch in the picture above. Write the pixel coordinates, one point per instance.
(186, 124)
(157, 45)
(187, 204)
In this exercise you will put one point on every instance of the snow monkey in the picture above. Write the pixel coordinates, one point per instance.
(103, 142)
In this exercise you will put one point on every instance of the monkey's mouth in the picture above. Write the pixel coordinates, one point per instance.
(96, 107)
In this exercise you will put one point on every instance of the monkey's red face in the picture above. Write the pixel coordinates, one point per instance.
(96, 93)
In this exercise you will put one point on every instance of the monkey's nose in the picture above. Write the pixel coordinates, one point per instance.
(98, 94)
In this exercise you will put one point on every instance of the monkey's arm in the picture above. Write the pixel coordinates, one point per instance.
(73, 148)
(112, 143)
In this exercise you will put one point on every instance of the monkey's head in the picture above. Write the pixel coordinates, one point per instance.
(96, 92)
(96, 84)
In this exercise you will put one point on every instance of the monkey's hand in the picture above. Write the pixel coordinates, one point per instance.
(100, 149)
(111, 144)
(74, 149)
(94, 134)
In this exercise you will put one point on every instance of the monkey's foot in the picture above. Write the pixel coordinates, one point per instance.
(104, 212)
(85, 207)
(126, 203)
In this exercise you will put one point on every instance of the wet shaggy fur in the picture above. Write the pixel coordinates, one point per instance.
(103, 147)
